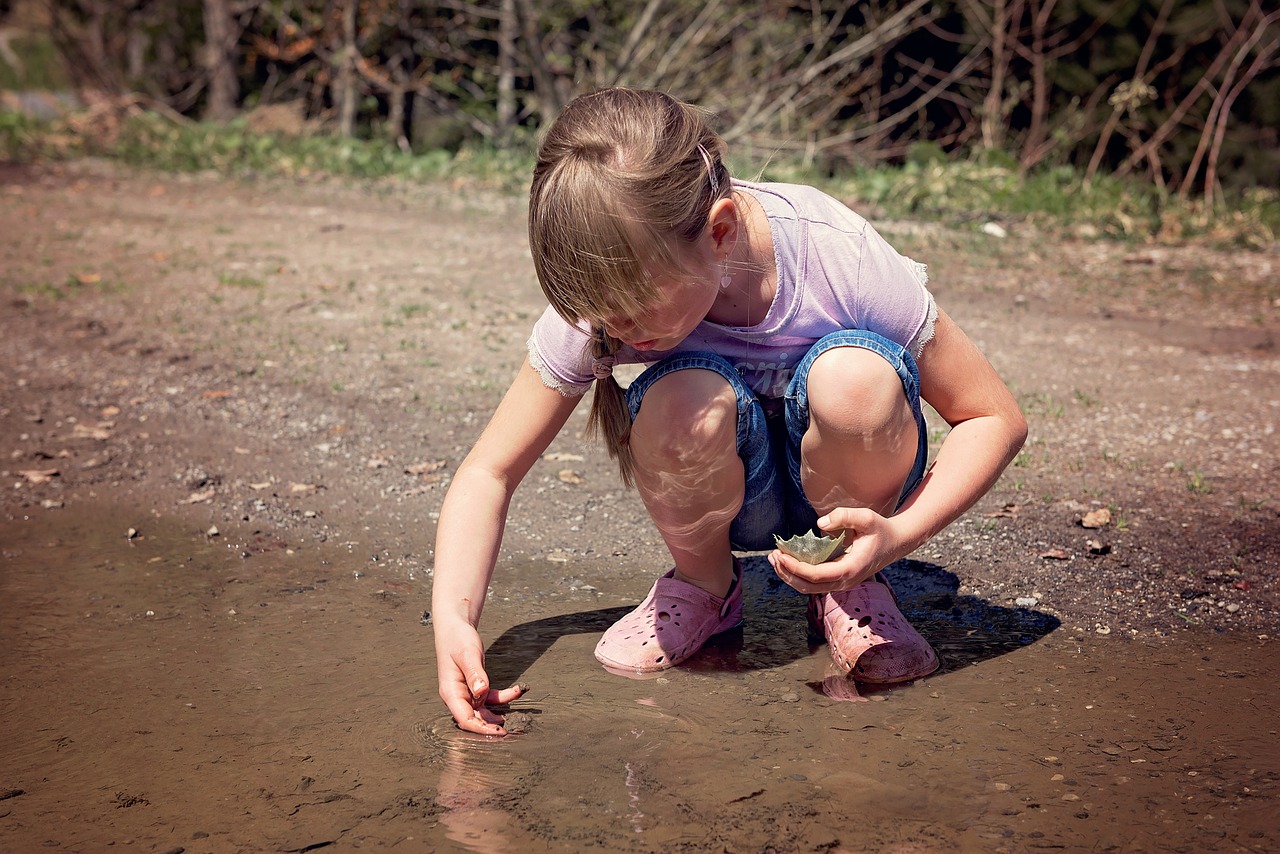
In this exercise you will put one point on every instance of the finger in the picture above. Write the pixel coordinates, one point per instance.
(479, 725)
(477, 680)
(469, 720)
(788, 569)
(506, 695)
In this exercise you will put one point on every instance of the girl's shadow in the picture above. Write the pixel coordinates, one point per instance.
(964, 629)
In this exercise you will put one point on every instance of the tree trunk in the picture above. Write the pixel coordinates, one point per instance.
(544, 80)
(347, 93)
(220, 39)
(507, 27)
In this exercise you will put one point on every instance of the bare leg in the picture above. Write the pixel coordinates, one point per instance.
(858, 451)
(861, 441)
(689, 474)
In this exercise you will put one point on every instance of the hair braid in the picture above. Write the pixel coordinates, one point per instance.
(610, 417)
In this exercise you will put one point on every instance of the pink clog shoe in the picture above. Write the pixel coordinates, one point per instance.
(671, 624)
(870, 639)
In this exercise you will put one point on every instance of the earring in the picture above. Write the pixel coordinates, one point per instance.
(725, 280)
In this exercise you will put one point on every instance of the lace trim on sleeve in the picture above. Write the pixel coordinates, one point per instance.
(925, 334)
(549, 379)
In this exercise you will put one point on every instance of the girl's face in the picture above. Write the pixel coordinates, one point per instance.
(681, 305)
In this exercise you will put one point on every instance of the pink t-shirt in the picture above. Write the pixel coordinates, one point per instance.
(834, 272)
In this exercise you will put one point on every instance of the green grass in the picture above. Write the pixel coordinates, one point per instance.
(966, 193)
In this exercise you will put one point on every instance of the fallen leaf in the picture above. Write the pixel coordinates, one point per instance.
(1099, 518)
(39, 475)
(425, 468)
(1055, 554)
(1009, 511)
(569, 476)
(99, 432)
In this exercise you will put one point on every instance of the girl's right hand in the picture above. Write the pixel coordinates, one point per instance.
(464, 685)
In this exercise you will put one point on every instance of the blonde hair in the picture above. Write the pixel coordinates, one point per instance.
(623, 187)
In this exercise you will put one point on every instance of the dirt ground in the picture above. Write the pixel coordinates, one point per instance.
(232, 401)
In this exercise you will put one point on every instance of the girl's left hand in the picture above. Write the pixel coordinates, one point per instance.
(870, 544)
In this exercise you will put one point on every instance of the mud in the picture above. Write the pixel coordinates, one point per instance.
(230, 410)
(162, 692)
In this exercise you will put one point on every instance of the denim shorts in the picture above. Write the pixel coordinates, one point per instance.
(775, 502)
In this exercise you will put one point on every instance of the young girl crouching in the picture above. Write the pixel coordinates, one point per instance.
(788, 349)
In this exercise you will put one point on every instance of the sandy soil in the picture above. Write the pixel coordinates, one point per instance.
(273, 380)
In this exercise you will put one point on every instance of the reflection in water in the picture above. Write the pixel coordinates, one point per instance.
(477, 771)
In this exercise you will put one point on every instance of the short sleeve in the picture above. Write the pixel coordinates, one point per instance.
(561, 354)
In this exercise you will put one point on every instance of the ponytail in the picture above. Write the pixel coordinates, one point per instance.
(610, 417)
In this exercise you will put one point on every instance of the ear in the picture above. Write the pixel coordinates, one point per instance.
(724, 227)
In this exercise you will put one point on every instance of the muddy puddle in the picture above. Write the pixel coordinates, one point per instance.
(169, 693)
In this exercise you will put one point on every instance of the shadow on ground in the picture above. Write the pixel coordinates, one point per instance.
(965, 630)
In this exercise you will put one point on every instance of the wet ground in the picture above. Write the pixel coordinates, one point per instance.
(270, 382)
(162, 692)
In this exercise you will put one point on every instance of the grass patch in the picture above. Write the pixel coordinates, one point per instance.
(242, 280)
(966, 193)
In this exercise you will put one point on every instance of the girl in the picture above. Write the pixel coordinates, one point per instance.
(788, 349)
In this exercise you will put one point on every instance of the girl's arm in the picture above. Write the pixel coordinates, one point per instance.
(468, 536)
(987, 431)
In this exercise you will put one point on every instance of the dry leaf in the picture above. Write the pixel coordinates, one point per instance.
(1099, 518)
(425, 468)
(1009, 511)
(39, 475)
(1055, 554)
(570, 476)
(100, 431)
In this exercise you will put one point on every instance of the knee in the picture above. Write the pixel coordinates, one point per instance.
(855, 392)
(686, 418)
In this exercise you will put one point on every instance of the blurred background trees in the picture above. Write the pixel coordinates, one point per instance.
(1183, 92)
